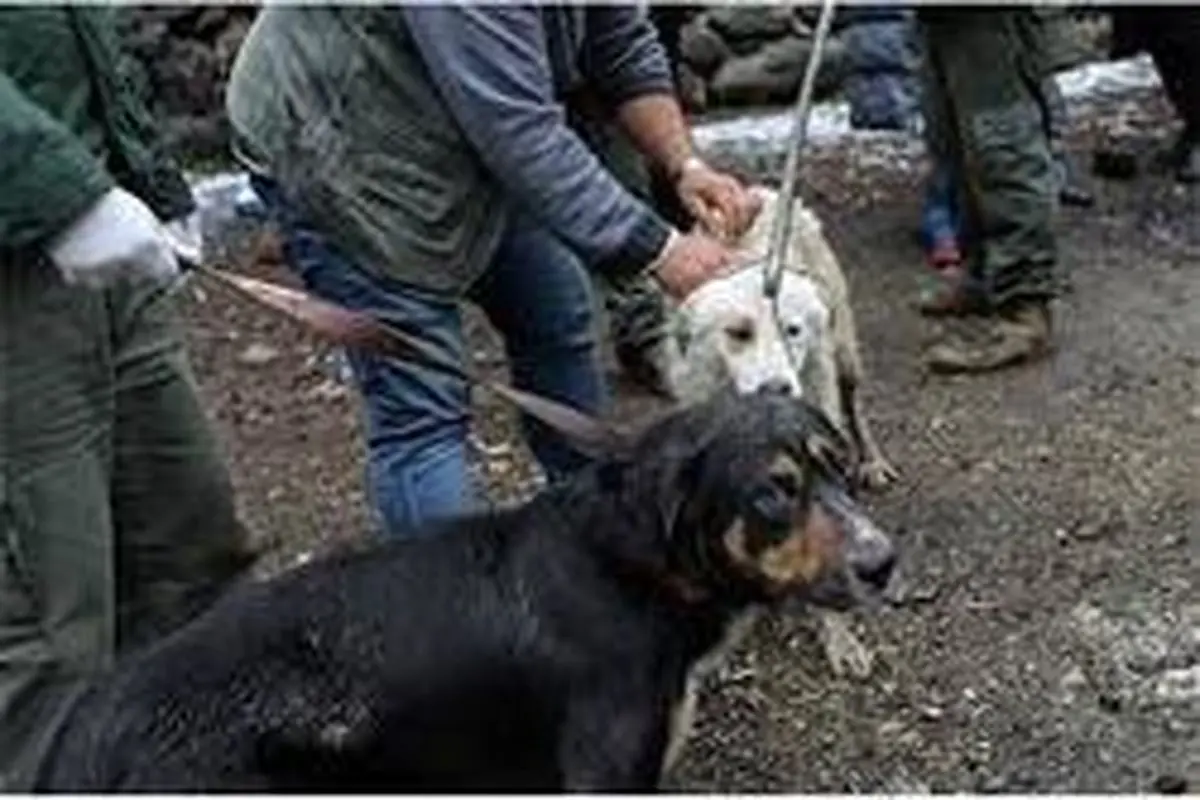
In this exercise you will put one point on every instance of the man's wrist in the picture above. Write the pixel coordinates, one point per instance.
(653, 268)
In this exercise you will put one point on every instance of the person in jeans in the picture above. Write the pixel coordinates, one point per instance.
(417, 156)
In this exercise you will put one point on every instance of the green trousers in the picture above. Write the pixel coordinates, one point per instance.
(984, 86)
(116, 513)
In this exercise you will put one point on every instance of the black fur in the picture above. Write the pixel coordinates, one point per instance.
(540, 648)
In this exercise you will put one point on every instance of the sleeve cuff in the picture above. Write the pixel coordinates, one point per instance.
(645, 244)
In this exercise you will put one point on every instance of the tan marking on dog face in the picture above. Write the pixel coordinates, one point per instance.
(810, 551)
(806, 555)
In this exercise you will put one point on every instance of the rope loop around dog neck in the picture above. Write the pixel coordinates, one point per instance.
(781, 230)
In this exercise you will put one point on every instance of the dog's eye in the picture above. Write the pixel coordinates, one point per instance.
(772, 502)
(793, 331)
(742, 332)
(786, 482)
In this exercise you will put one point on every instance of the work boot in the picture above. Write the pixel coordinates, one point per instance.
(1016, 336)
(948, 294)
(1072, 189)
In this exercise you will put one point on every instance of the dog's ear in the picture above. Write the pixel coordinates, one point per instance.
(595, 438)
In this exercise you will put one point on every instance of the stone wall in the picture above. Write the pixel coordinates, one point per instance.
(739, 55)
(732, 55)
(183, 55)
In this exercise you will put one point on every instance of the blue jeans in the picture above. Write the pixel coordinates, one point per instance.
(536, 294)
(939, 214)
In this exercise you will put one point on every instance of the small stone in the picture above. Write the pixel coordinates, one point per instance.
(1061, 536)
(994, 784)
(702, 48)
(258, 355)
(931, 713)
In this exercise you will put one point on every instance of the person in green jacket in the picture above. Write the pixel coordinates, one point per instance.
(117, 520)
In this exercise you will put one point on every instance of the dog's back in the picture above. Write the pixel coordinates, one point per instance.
(363, 671)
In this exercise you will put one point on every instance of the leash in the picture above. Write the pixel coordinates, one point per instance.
(781, 229)
(360, 330)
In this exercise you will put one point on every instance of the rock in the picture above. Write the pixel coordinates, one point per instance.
(258, 355)
(788, 54)
(739, 24)
(745, 81)
(774, 72)
(184, 54)
(702, 49)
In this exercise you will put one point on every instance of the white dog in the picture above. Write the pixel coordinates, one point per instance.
(728, 332)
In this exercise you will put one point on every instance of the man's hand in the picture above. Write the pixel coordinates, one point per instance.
(719, 202)
(688, 261)
(116, 237)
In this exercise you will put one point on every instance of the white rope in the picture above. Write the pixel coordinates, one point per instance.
(781, 230)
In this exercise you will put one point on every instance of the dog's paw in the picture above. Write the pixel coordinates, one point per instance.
(877, 473)
(846, 654)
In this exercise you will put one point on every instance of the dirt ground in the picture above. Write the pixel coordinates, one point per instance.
(1046, 636)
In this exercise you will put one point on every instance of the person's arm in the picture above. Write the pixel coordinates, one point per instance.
(49, 177)
(490, 65)
(628, 66)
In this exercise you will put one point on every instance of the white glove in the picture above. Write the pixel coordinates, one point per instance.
(119, 236)
(185, 238)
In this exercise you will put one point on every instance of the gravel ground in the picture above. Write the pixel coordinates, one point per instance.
(1047, 631)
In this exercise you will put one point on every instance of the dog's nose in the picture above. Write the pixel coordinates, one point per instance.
(875, 562)
(777, 386)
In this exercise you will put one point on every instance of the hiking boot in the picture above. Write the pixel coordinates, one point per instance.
(1017, 336)
(948, 295)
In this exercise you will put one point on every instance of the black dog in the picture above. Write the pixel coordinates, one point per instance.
(549, 647)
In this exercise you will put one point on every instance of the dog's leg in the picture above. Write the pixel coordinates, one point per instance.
(874, 470)
(615, 740)
(822, 380)
(846, 654)
(683, 716)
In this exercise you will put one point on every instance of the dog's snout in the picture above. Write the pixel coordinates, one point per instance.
(874, 561)
(777, 386)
